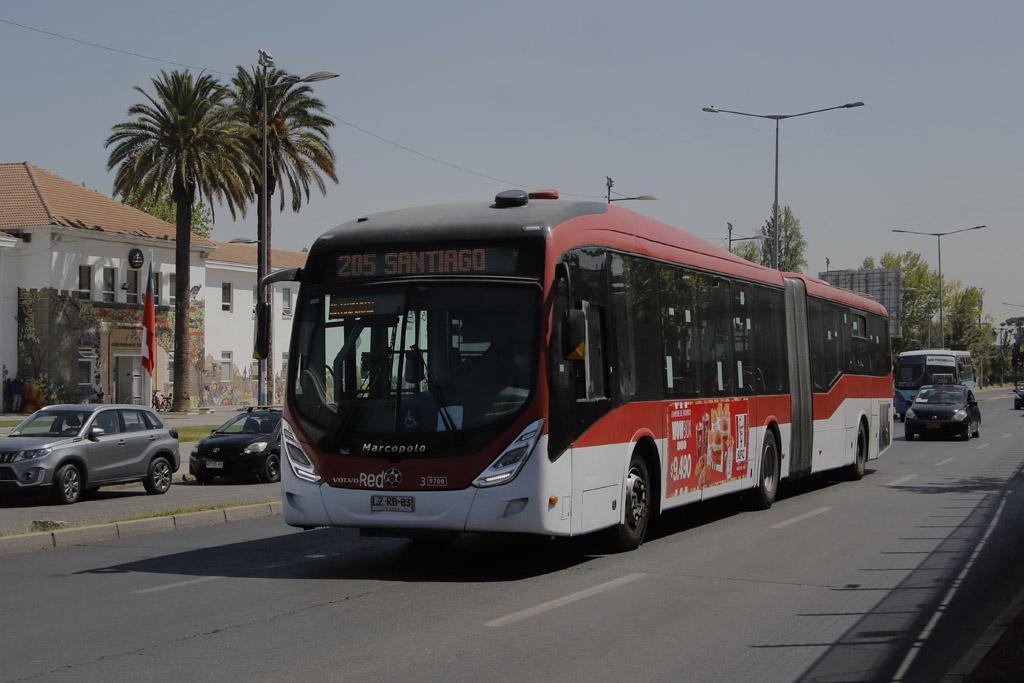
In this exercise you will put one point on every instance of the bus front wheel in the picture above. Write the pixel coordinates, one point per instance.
(768, 479)
(629, 534)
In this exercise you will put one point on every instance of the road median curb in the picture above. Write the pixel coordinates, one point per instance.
(112, 531)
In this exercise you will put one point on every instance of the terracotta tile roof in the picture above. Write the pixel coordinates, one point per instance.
(30, 195)
(246, 254)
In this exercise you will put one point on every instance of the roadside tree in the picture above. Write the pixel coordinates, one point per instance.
(185, 138)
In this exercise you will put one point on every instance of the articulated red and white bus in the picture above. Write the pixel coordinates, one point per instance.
(562, 367)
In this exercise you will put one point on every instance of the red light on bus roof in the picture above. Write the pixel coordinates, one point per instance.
(544, 194)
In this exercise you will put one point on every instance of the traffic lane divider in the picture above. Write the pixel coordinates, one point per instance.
(103, 533)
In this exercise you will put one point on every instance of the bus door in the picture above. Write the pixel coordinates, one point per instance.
(801, 433)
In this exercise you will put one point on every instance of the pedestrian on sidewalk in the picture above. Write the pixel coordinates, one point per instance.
(96, 390)
(16, 385)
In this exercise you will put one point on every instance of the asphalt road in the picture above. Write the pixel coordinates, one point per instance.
(892, 577)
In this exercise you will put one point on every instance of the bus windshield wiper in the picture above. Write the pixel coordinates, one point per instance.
(435, 393)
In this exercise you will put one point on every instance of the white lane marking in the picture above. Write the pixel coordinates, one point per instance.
(560, 602)
(800, 518)
(943, 462)
(1007, 436)
(900, 480)
(169, 586)
(923, 636)
(984, 445)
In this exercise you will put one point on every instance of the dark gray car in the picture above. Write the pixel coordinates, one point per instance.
(73, 449)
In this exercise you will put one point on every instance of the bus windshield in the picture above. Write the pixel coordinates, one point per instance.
(913, 372)
(415, 358)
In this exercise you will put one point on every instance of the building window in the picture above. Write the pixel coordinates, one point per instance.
(84, 283)
(225, 366)
(156, 289)
(284, 366)
(171, 291)
(286, 302)
(133, 287)
(86, 366)
(110, 285)
(225, 296)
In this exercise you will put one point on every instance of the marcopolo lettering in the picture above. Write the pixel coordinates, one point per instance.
(393, 449)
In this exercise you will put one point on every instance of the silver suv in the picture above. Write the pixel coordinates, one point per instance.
(75, 449)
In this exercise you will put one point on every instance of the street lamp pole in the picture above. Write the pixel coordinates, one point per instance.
(728, 226)
(266, 61)
(609, 183)
(938, 237)
(263, 296)
(777, 118)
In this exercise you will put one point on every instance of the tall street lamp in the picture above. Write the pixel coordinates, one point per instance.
(609, 183)
(777, 118)
(938, 237)
(266, 61)
(728, 226)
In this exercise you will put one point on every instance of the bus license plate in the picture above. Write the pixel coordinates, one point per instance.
(392, 504)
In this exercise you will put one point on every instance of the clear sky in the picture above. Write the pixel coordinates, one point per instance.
(561, 94)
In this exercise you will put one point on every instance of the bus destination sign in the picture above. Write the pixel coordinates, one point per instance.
(472, 261)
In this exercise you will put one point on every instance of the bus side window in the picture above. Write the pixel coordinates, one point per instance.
(770, 339)
(714, 317)
(748, 380)
(625, 332)
(594, 385)
(679, 332)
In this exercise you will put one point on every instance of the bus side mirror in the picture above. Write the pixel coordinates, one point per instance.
(574, 334)
(259, 351)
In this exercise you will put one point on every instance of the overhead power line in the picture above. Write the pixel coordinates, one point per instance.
(376, 136)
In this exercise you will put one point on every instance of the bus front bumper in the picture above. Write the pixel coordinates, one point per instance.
(513, 508)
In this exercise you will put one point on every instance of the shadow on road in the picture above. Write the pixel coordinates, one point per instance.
(920, 628)
(340, 554)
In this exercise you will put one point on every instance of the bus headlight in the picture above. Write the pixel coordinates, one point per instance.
(301, 465)
(507, 465)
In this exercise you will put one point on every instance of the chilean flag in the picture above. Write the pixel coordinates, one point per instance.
(149, 326)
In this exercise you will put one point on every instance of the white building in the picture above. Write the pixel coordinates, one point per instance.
(230, 293)
(73, 266)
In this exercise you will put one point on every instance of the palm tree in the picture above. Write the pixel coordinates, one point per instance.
(298, 150)
(184, 137)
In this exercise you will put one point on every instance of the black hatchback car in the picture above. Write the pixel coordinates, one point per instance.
(248, 444)
(944, 409)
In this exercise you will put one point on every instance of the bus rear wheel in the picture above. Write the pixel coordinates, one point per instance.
(629, 534)
(768, 479)
(855, 472)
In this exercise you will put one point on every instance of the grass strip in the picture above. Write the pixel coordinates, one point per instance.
(194, 432)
